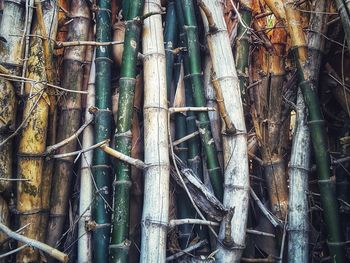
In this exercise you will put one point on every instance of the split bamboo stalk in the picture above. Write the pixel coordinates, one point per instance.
(318, 135)
(69, 119)
(195, 76)
(236, 173)
(85, 198)
(119, 245)
(156, 198)
(11, 53)
(299, 167)
(32, 141)
(102, 131)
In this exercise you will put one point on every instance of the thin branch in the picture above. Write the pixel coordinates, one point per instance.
(62, 257)
(52, 148)
(13, 251)
(187, 250)
(86, 43)
(184, 109)
(64, 155)
(135, 162)
(175, 222)
(185, 138)
(18, 78)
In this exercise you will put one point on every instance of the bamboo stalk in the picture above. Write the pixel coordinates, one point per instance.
(119, 246)
(318, 135)
(344, 13)
(33, 138)
(5, 220)
(195, 76)
(156, 197)
(102, 131)
(194, 148)
(136, 193)
(298, 249)
(11, 53)
(69, 119)
(242, 49)
(85, 201)
(236, 173)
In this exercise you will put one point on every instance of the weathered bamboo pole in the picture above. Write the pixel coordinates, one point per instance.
(298, 249)
(203, 122)
(69, 119)
(85, 200)
(4, 219)
(156, 197)
(33, 138)
(11, 53)
(102, 131)
(236, 173)
(119, 245)
(298, 224)
(318, 135)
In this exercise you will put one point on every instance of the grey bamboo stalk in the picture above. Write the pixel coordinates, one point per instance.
(298, 175)
(236, 185)
(156, 197)
(69, 120)
(84, 236)
(32, 141)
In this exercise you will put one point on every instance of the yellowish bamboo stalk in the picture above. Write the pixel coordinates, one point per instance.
(32, 142)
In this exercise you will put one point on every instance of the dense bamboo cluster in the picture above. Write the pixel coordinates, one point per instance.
(174, 131)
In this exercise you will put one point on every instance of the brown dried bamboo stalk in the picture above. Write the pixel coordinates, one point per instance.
(70, 116)
(32, 141)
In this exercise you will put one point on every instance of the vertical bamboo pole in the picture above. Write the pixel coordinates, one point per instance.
(102, 130)
(119, 246)
(11, 53)
(85, 201)
(156, 197)
(194, 148)
(236, 186)
(242, 48)
(203, 122)
(318, 135)
(298, 248)
(69, 118)
(33, 138)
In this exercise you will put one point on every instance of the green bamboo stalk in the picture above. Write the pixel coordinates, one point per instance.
(170, 42)
(242, 48)
(69, 118)
(102, 130)
(184, 207)
(119, 247)
(194, 148)
(318, 135)
(199, 100)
